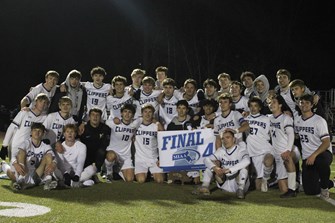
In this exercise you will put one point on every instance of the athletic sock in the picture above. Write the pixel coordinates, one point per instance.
(291, 180)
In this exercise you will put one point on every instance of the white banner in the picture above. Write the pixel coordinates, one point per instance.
(185, 150)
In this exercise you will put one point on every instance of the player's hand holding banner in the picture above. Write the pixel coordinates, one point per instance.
(185, 150)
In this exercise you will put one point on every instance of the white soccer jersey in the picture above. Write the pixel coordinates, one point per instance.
(167, 110)
(242, 104)
(20, 130)
(54, 124)
(147, 99)
(121, 138)
(278, 126)
(258, 137)
(289, 101)
(114, 104)
(34, 153)
(204, 122)
(73, 158)
(39, 89)
(234, 159)
(193, 103)
(146, 145)
(233, 120)
(311, 131)
(97, 97)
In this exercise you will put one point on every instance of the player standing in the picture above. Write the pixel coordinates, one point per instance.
(55, 121)
(97, 91)
(48, 88)
(119, 97)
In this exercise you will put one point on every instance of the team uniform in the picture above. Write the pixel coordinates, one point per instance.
(204, 122)
(54, 124)
(114, 104)
(288, 97)
(120, 142)
(236, 159)
(97, 97)
(258, 141)
(167, 110)
(194, 102)
(311, 131)
(34, 155)
(146, 99)
(37, 90)
(146, 145)
(19, 130)
(280, 140)
(241, 105)
(233, 120)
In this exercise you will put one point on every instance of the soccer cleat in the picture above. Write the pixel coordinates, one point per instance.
(109, 178)
(204, 191)
(288, 194)
(16, 186)
(50, 185)
(75, 184)
(1, 163)
(324, 195)
(264, 185)
(240, 194)
(88, 183)
(96, 179)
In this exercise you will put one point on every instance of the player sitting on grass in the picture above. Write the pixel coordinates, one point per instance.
(34, 163)
(229, 165)
(71, 155)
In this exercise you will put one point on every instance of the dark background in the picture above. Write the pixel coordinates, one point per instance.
(193, 38)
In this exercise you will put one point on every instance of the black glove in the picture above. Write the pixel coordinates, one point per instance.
(4, 152)
(75, 178)
(67, 179)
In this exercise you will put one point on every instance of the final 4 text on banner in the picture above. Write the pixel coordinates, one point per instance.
(185, 150)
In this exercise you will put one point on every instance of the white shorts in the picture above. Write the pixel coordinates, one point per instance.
(27, 179)
(123, 162)
(144, 166)
(257, 161)
(231, 184)
(280, 167)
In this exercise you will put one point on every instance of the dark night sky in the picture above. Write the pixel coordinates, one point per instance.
(194, 38)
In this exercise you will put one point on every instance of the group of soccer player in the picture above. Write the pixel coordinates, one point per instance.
(66, 134)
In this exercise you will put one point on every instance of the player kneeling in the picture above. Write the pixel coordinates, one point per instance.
(229, 165)
(71, 155)
(34, 163)
(119, 149)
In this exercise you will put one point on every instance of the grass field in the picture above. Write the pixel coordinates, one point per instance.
(149, 202)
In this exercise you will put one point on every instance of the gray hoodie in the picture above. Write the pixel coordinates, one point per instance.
(264, 94)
